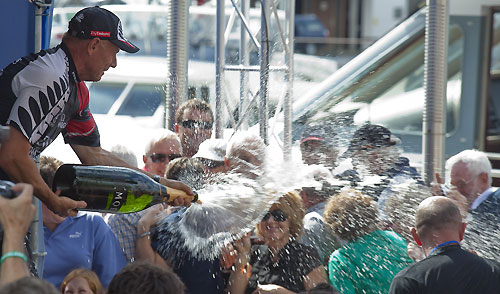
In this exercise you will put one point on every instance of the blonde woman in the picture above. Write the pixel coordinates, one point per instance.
(281, 265)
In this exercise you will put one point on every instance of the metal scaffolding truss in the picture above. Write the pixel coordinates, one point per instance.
(248, 42)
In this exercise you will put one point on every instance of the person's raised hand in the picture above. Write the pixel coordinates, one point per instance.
(436, 187)
(17, 214)
(460, 200)
(178, 201)
(153, 215)
(176, 185)
(228, 256)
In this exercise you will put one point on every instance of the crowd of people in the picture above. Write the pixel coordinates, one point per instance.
(373, 227)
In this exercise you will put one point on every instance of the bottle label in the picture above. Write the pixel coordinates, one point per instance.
(119, 198)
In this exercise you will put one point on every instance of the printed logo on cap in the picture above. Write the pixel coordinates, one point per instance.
(100, 34)
(79, 17)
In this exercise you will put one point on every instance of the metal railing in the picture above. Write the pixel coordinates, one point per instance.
(269, 10)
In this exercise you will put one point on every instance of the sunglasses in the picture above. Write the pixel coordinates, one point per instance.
(191, 124)
(278, 215)
(161, 157)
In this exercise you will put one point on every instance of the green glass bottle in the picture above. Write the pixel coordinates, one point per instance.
(112, 189)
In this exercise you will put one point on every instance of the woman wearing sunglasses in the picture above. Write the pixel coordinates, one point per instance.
(281, 265)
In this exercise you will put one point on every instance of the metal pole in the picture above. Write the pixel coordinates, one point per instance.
(219, 66)
(36, 239)
(264, 69)
(287, 105)
(177, 58)
(435, 78)
(38, 27)
(244, 61)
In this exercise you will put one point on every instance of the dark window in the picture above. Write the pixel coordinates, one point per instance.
(103, 95)
(143, 100)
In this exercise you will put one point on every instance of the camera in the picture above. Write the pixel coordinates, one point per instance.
(6, 189)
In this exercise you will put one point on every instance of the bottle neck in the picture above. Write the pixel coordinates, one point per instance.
(163, 193)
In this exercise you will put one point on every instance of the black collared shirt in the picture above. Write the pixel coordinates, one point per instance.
(295, 261)
(449, 269)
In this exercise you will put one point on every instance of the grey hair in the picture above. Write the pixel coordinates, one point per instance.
(477, 162)
(125, 154)
(248, 142)
(168, 135)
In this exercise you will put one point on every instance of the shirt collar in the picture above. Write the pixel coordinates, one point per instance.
(72, 68)
(480, 199)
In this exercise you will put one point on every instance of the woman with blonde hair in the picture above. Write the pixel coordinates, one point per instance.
(81, 281)
(281, 265)
(371, 258)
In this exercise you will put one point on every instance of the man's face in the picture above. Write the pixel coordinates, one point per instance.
(247, 162)
(195, 127)
(317, 152)
(102, 59)
(160, 155)
(465, 181)
(374, 160)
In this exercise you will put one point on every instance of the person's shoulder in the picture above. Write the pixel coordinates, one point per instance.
(337, 256)
(391, 235)
(42, 69)
(495, 265)
(404, 283)
(92, 217)
(495, 195)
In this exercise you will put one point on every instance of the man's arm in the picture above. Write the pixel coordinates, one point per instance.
(16, 162)
(98, 156)
(16, 216)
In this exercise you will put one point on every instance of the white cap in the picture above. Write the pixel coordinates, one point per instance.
(213, 149)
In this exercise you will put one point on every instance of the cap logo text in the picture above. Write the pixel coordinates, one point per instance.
(100, 34)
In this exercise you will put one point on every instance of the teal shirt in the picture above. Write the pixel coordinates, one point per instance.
(368, 264)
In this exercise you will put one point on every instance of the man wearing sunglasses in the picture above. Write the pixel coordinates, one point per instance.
(160, 152)
(193, 124)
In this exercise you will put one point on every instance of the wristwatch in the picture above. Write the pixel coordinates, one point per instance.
(157, 178)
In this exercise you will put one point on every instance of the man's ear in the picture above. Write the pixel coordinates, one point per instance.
(416, 237)
(144, 158)
(227, 163)
(176, 128)
(462, 231)
(93, 45)
(485, 181)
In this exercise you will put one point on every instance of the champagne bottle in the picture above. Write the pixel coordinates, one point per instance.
(112, 189)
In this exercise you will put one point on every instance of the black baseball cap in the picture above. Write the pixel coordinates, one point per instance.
(322, 133)
(370, 136)
(97, 22)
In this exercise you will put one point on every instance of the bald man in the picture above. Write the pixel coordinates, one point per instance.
(447, 268)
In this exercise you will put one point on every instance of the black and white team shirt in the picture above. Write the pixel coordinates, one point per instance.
(42, 96)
